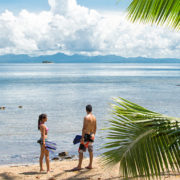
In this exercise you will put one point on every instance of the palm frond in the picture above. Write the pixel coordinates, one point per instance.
(143, 142)
(156, 12)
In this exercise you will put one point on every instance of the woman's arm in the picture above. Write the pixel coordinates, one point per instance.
(43, 129)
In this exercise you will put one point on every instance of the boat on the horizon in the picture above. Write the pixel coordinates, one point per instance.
(47, 62)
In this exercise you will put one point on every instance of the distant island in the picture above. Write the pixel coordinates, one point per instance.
(63, 58)
(47, 62)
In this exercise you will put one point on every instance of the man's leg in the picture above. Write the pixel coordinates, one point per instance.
(80, 160)
(90, 149)
(90, 159)
(81, 150)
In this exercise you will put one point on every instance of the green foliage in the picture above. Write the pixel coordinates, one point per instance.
(156, 12)
(143, 142)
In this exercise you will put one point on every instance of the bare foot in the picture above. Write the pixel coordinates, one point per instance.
(41, 170)
(88, 167)
(49, 171)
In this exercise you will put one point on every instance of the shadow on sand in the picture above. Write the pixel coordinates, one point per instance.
(7, 176)
(32, 173)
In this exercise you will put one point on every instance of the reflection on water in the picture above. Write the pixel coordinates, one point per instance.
(63, 90)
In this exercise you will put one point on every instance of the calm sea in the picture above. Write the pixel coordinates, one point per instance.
(63, 90)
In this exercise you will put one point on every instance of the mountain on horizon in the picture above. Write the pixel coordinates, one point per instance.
(62, 58)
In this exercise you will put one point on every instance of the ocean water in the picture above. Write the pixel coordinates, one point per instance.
(63, 90)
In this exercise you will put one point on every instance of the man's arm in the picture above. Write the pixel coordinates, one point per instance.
(95, 127)
(84, 128)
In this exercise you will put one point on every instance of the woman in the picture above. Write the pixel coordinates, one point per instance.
(44, 151)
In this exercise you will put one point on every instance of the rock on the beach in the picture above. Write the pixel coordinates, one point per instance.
(2, 108)
(55, 158)
(20, 106)
(68, 157)
(62, 154)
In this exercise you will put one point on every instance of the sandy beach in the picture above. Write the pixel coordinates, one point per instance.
(61, 171)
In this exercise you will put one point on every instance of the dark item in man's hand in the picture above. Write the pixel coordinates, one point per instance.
(77, 139)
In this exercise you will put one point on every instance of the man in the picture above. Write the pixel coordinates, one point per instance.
(88, 134)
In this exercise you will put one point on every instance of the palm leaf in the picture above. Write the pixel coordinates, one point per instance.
(156, 12)
(143, 142)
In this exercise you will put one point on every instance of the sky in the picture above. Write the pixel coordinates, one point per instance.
(88, 27)
(40, 5)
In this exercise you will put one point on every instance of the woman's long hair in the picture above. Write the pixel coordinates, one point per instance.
(41, 117)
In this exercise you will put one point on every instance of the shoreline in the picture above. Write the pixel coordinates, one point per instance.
(61, 170)
(35, 163)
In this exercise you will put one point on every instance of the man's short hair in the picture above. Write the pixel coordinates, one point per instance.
(89, 108)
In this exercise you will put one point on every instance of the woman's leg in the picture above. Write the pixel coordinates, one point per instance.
(47, 160)
(41, 158)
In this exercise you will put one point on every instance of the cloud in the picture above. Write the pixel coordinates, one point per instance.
(73, 29)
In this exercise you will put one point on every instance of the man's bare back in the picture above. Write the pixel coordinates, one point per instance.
(89, 126)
